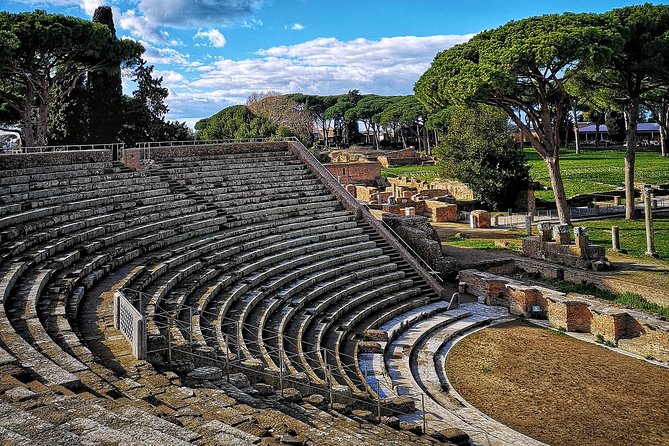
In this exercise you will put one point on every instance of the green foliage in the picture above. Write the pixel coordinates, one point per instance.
(235, 122)
(42, 58)
(105, 91)
(69, 121)
(522, 67)
(144, 112)
(478, 150)
(615, 124)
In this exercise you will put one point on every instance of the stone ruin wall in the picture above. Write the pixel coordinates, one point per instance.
(417, 232)
(361, 172)
(630, 330)
(554, 245)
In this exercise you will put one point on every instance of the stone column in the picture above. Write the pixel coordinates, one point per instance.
(650, 236)
(616, 201)
(528, 224)
(531, 203)
(615, 238)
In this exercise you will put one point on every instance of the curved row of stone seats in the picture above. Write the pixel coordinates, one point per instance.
(322, 312)
(240, 302)
(45, 297)
(234, 250)
(289, 321)
(22, 286)
(409, 362)
(268, 328)
(388, 325)
(34, 345)
(346, 368)
(213, 287)
(253, 331)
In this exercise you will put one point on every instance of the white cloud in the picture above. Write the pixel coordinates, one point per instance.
(388, 66)
(216, 39)
(252, 23)
(295, 27)
(328, 66)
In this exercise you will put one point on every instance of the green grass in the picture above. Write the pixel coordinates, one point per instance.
(592, 171)
(632, 234)
(485, 244)
(421, 173)
(597, 170)
(627, 299)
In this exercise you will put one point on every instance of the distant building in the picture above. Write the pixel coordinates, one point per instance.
(648, 133)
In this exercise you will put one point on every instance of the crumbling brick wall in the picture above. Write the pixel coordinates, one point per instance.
(633, 331)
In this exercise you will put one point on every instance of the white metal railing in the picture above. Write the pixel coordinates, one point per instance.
(129, 321)
(576, 212)
(64, 148)
(198, 142)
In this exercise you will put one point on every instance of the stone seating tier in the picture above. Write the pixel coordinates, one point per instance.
(273, 252)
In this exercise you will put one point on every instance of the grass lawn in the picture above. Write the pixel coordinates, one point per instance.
(632, 234)
(422, 173)
(592, 171)
(597, 170)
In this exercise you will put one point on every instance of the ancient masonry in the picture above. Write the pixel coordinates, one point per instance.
(244, 258)
(277, 310)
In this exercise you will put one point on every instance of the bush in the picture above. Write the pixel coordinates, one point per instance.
(478, 150)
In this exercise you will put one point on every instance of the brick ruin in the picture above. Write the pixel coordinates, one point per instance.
(629, 330)
(278, 309)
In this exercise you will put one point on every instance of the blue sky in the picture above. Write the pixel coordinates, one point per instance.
(214, 53)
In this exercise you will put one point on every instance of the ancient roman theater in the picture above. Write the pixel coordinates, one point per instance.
(234, 293)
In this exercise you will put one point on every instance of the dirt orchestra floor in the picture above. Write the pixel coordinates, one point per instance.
(560, 390)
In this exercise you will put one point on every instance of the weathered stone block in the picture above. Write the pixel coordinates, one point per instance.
(480, 219)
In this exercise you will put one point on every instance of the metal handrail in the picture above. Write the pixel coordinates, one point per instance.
(430, 270)
(65, 148)
(198, 142)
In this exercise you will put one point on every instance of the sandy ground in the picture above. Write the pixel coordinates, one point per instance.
(560, 390)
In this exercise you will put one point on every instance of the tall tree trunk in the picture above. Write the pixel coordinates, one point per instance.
(42, 119)
(553, 165)
(631, 119)
(663, 140)
(596, 136)
(27, 119)
(577, 140)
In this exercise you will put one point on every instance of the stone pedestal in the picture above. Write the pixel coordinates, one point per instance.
(581, 240)
(545, 231)
(561, 234)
